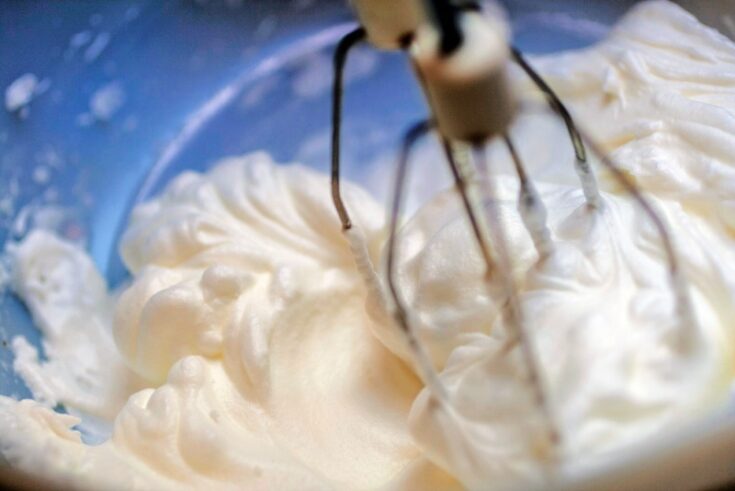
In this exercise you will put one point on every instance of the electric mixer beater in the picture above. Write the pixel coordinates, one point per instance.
(460, 55)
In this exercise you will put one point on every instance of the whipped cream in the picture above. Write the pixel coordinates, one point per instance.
(254, 347)
(245, 322)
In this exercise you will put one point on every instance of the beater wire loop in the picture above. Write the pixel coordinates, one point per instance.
(400, 311)
(340, 58)
(582, 167)
(678, 281)
(513, 310)
(462, 183)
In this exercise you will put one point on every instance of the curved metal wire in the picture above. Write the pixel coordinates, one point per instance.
(340, 58)
(514, 312)
(678, 282)
(428, 373)
(582, 167)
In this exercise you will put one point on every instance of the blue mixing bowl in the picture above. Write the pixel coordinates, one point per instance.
(131, 92)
